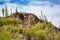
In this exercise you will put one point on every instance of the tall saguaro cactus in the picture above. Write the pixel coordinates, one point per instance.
(6, 11)
(43, 17)
(41, 14)
(3, 12)
(16, 9)
(11, 11)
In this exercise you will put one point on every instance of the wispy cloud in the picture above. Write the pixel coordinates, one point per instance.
(52, 1)
(40, 3)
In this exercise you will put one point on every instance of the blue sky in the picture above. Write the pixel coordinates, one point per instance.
(50, 8)
(26, 2)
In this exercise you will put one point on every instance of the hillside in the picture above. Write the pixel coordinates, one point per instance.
(13, 28)
(26, 26)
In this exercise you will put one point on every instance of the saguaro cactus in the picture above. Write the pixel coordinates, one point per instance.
(6, 11)
(41, 14)
(11, 11)
(43, 17)
(3, 12)
(16, 9)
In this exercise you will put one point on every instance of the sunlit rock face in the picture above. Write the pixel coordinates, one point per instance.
(24, 16)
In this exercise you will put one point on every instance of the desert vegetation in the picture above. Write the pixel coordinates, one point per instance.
(13, 29)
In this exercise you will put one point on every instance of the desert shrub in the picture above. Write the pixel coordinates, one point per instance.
(9, 21)
(11, 30)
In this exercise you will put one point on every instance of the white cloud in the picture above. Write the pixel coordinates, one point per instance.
(43, 3)
(47, 10)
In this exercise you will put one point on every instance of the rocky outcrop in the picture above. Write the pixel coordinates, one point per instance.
(24, 16)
